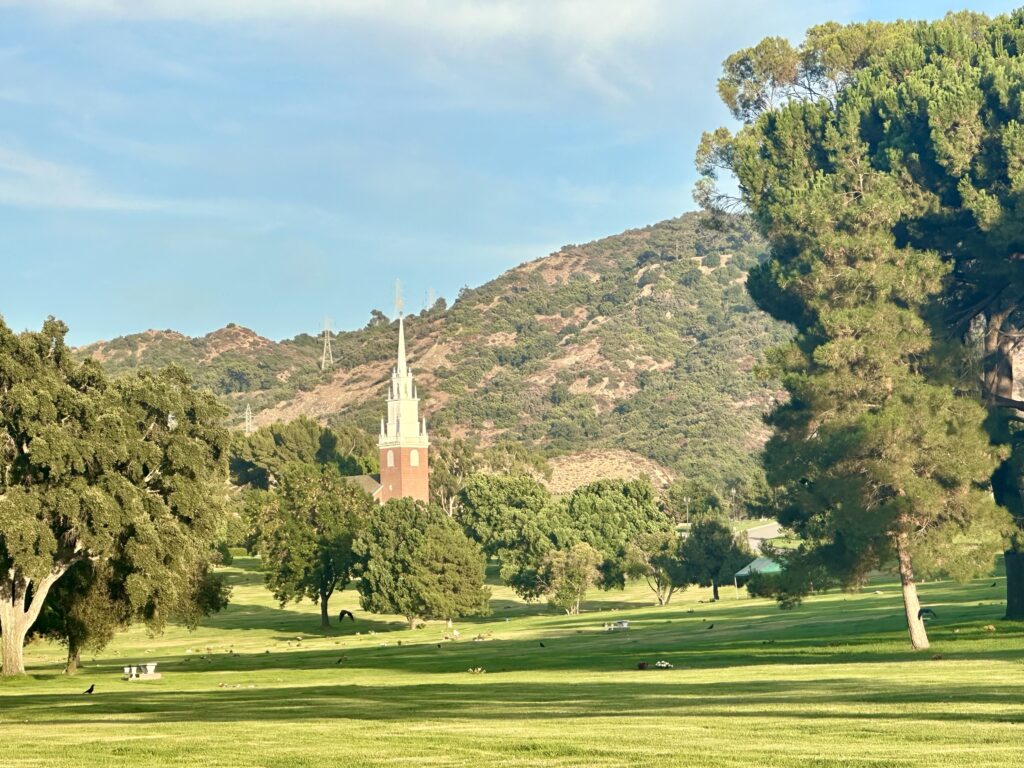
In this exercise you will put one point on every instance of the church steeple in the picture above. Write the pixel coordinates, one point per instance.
(403, 439)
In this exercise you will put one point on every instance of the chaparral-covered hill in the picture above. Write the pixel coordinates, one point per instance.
(643, 342)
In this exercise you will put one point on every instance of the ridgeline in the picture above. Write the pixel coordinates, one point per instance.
(644, 341)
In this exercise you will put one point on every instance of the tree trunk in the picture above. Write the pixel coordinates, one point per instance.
(1014, 584)
(998, 357)
(911, 604)
(714, 590)
(13, 643)
(18, 614)
(325, 616)
(74, 659)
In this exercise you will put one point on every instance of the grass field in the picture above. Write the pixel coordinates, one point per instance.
(830, 684)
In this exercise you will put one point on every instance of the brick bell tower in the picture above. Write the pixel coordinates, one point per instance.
(404, 468)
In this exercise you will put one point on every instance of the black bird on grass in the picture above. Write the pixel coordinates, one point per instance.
(710, 626)
(993, 583)
(542, 645)
(926, 612)
(90, 689)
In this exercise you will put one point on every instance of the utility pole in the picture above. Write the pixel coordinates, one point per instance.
(327, 358)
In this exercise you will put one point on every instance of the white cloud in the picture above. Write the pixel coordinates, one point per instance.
(600, 46)
(31, 182)
(592, 23)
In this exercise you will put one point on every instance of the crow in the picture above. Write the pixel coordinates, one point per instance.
(710, 626)
(542, 645)
(340, 660)
(438, 645)
(993, 583)
(90, 689)
(344, 613)
(921, 614)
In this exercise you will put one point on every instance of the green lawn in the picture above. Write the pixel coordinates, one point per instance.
(830, 684)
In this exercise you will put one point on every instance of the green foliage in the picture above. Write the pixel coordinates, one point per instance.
(567, 574)
(83, 611)
(713, 554)
(657, 558)
(883, 174)
(498, 511)
(127, 472)
(307, 524)
(452, 461)
(611, 514)
(417, 562)
(692, 499)
(258, 459)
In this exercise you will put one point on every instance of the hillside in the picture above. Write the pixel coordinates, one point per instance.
(643, 341)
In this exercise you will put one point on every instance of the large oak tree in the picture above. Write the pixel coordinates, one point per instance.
(129, 471)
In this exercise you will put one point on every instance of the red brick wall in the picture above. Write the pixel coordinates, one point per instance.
(403, 479)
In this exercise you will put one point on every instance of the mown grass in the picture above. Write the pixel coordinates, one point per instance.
(830, 684)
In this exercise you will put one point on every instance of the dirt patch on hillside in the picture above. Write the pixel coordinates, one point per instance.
(233, 339)
(570, 472)
(364, 382)
(344, 389)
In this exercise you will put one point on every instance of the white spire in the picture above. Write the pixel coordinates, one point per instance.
(402, 427)
(402, 368)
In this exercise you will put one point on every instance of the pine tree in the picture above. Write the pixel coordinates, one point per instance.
(879, 161)
(712, 554)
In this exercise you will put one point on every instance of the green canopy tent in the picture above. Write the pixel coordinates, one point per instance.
(761, 565)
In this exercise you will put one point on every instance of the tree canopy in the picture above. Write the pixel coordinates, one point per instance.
(258, 459)
(712, 554)
(130, 471)
(306, 526)
(417, 562)
(879, 161)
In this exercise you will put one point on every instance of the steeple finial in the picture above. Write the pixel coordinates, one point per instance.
(402, 367)
(399, 301)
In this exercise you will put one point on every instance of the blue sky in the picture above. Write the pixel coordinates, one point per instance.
(188, 163)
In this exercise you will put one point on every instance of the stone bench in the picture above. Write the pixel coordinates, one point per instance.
(145, 671)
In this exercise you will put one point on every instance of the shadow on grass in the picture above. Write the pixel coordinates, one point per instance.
(686, 646)
(490, 698)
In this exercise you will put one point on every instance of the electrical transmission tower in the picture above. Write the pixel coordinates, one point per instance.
(248, 419)
(327, 358)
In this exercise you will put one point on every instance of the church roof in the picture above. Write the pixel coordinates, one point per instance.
(369, 483)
